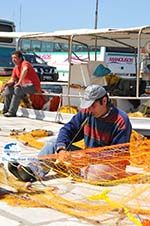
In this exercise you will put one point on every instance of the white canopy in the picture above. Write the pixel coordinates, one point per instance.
(18, 34)
(105, 37)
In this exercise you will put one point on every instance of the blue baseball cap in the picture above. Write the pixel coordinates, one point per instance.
(92, 92)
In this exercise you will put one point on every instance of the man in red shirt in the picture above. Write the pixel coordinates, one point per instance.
(23, 81)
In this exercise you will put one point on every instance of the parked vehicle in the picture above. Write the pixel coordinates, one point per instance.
(120, 60)
(45, 72)
(7, 46)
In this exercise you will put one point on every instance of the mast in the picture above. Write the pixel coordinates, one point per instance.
(96, 14)
(96, 23)
(20, 16)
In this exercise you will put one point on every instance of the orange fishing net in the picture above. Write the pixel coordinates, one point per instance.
(127, 200)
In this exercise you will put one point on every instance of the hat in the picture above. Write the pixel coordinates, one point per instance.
(92, 93)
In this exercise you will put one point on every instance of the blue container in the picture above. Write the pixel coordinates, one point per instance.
(52, 88)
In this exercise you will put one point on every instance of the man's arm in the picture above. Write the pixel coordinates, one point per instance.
(123, 135)
(69, 131)
(10, 82)
(22, 75)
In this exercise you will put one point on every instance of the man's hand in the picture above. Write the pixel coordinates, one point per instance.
(2, 88)
(17, 84)
(63, 156)
(9, 83)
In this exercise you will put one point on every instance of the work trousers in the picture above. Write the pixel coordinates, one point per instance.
(13, 96)
(50, 147)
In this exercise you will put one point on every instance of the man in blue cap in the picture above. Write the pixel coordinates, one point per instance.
(98, 122)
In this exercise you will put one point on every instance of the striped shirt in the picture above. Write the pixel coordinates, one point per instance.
(114, 128)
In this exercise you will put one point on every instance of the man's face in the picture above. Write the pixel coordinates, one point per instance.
(16, 60)
(98, 109)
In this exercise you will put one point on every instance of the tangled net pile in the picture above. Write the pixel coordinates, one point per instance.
(131, 201)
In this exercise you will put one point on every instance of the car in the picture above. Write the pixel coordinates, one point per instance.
(44, 71)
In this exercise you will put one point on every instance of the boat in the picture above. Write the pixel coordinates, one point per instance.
(113, 202)
(80, 75)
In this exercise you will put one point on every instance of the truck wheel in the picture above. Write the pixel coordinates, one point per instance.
(55, 77)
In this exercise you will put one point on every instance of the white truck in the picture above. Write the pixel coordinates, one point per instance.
(119, 60)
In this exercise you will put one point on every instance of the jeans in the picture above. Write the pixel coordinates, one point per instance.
(13, 96)
(50, 148)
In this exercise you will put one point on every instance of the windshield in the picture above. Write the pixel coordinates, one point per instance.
(34, 59)
(5, 57)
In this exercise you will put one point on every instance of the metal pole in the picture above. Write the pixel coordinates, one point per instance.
(69, 59)
(20, 17)
(96, 22)
(96, 14)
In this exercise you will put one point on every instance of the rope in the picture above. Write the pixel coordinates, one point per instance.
(81, 127)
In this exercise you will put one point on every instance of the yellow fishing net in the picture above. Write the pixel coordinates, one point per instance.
(121, 194)
(31, 138)
(69, 109)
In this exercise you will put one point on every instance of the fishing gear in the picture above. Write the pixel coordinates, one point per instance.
(73, 139)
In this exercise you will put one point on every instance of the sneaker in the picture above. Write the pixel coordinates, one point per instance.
(4, 112)
(8, 114)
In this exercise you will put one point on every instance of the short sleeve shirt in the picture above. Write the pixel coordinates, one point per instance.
(31, 76)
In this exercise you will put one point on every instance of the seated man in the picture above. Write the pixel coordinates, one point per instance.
(98, 122)
(24, 80)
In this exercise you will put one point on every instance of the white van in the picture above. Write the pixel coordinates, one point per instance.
(119, 60)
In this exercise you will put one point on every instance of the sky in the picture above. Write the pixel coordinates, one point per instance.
(52, 15)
